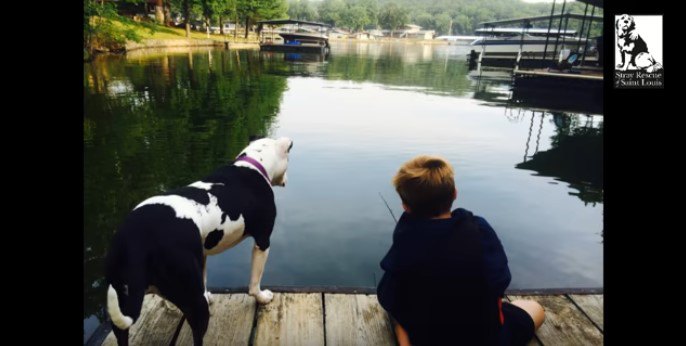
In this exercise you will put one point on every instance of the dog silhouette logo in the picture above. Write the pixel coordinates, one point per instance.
(638, 52)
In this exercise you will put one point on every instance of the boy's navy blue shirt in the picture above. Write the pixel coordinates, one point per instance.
(444, 279)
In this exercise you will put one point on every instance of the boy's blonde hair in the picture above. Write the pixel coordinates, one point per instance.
(426, 184)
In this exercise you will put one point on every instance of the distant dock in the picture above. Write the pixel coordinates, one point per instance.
(339, 316)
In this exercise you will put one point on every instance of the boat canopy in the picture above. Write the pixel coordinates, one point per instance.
(597, 3)
(291, 21)
(517, 31)
(540, 18)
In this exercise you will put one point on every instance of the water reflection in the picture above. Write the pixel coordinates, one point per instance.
(495, 85)
(155, 123)
(576, 155)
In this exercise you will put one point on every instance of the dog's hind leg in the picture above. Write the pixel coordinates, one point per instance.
(208, 295)
(132, 308)
(188, 295)
(124, 303)
(122, 336)
(198, 317)
(259, 259)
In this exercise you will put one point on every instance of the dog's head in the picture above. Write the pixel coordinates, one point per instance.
(272, 154)
(624, 24)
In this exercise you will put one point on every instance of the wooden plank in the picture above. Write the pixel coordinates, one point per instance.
(231, 319)
(291, 319)
(552, 291)
(592, 305)
(310, 289)
(372, 290)
(564, 323)
(155, 326)
(356, 320)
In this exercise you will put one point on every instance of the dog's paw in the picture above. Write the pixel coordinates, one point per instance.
(264, 297)
(209, 297)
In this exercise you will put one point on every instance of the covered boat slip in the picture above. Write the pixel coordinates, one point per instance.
(571, 78)
(300, 37)
(551, 39)
(558, 76)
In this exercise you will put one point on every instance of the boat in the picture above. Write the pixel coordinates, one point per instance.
(533, 40)
(300, 39)
(457, 40)
(509, 37)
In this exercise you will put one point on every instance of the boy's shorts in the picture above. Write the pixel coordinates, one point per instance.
(518, 328)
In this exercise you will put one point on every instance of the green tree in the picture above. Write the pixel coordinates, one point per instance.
(185, 8)
(372, 9)
(302, 10)
(392, 17)
(187, 4)
(444, 23)
(423, 19)
(252, 11)
(101, 30)
(355, 17)
(226, 10)
(208, 11)
(159, 11)
(330, 11)
(462, 24)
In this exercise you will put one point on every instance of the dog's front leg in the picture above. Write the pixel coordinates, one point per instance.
(630, 64)
(259, 259)
(628, 56)
(622, 54)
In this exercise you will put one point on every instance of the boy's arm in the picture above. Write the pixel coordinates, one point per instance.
(495, 261)
(401, 334)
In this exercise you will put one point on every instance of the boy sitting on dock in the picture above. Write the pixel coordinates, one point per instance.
(446, 272)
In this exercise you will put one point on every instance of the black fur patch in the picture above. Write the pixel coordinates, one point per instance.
(230, 206)
(244, 192)
(213, 238)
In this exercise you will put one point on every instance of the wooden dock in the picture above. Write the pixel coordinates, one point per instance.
(573, 317)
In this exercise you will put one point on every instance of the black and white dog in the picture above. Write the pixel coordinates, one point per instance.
(162, 245)
(632, 48)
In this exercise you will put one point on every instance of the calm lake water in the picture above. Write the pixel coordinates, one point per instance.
(159, 120)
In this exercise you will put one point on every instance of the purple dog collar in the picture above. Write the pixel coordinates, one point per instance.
(257, 165)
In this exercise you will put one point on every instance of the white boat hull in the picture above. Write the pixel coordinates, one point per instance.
(511, 45)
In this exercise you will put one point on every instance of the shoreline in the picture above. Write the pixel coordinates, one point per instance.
(185, 42)
(150, 43)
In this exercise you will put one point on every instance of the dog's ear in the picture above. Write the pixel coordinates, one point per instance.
(253, 138)
(633, 23)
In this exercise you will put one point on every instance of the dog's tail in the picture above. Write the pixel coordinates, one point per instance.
(118, 318)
